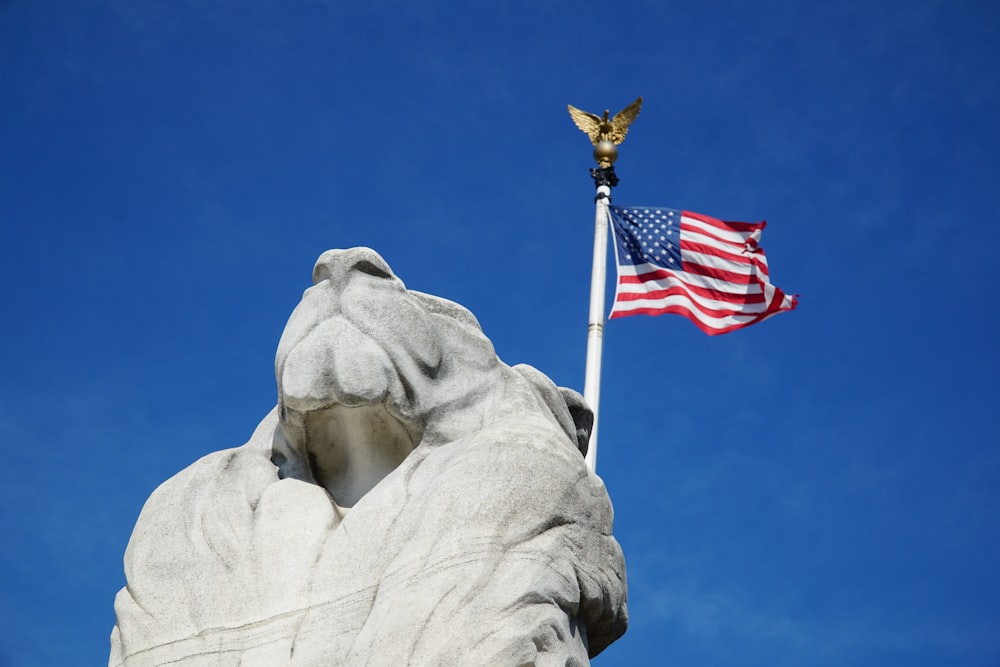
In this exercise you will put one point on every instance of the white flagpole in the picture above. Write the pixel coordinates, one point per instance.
(605, 134)
(595, 326)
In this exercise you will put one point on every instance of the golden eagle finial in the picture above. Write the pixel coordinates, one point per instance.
(601, 129)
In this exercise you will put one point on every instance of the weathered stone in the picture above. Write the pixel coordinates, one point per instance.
(411, 500)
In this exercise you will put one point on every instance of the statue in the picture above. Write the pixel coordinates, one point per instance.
(411, 500)
(605, 134)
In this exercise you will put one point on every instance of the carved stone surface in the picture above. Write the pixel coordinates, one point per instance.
(411, 500)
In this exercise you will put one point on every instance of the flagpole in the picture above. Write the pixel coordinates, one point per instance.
(605, 134)
(604, 179)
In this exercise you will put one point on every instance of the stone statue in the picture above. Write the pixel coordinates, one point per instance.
(411, 500)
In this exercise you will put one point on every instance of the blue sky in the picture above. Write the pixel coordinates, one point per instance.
(820, 489)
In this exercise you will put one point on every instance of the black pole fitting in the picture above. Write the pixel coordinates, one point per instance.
(604, 176)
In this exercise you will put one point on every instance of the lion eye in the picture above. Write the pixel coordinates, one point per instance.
(364, 266)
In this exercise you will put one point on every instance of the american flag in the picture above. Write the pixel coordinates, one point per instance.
(711, 271)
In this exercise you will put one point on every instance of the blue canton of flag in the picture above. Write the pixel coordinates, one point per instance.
(653, 236)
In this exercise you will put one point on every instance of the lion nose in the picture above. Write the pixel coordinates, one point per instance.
(337, 265)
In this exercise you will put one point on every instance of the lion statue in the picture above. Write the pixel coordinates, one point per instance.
(411, 500)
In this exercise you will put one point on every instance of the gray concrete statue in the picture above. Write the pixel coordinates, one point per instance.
(411, 500)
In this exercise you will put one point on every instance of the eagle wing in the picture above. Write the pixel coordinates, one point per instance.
(588, 122)
(621, 121)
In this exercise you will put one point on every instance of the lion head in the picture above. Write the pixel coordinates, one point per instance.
(368, 371)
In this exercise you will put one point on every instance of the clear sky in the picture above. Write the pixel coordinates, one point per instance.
(820, 489)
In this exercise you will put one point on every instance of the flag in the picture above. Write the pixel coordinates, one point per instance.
(712, 272)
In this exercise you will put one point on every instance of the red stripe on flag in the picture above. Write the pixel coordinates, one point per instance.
(743, 227)
(689, 314)
(732, 256)
(740, 298)
(719, 274)
(728, 237)
(697, 269)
